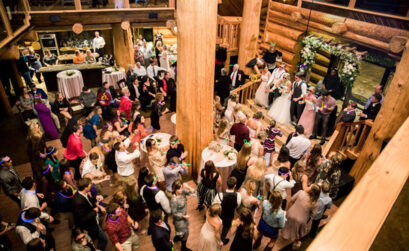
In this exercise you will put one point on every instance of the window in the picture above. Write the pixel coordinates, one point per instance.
(395, 7)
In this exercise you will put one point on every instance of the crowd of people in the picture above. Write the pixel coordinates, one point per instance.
(289, 185)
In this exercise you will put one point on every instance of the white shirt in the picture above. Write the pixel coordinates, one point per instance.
(160, 198)
(25, 235)
(141, 71)
(276, 75)
(273, 180)
(124, 162)
(219, 197)
(147, 52)
(298, 146)
(91, 168)
(303, 87)
(233, 78)
(28, 199)
(98, 43)
(151, 73)
(136, 87)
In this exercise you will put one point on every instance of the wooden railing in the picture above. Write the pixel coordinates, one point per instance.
(246, 91)
(357, 222)
(228, 32)
(349, 138)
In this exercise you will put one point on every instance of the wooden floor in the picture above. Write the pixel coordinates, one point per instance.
(62, 234)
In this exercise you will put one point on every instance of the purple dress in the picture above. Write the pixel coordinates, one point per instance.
(47, 122)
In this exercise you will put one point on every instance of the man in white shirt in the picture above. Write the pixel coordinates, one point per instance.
(124, 160)
(153, 69)
(298, 145)
(93, 166)
(298, 91)
(139, 70)
(147, 54)
(98, 44)
(28, 227)
(153, 197)
(276, 76)
(236, 77)
(29, 196)
(279, 183)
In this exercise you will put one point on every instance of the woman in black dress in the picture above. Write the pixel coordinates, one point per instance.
(222, 86)
(172, 95)
(147, 92)
(62, 108)
(158, 107)
(243, 239)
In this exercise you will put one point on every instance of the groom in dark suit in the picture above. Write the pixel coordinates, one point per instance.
(86, 213)
(299, 89)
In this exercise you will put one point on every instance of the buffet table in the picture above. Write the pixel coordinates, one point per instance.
(223, 164)
(70, 83)
(91, 74)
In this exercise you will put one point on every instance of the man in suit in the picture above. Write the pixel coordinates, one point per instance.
(236, 77)
(160, 231)
(86, 213)
(276, 76)
(9, 179)
(298, 91)
(372, 110)
(134, 89)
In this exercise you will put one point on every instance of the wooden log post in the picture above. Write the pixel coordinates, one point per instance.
(197, 24)
(397, 44)
(339, 28)
(394, 111)
(249, 30)
(77, 4)
(123, 47)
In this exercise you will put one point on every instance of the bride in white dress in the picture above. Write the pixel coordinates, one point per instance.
(261, 97)
(280, 110)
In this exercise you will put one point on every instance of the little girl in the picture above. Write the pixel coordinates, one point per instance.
(269, 142)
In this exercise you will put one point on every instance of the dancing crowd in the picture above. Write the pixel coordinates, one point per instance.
(288, 185)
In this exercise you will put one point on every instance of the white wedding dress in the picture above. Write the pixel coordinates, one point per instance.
(280, 110)
(261, 97)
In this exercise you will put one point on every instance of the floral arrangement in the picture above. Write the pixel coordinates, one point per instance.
(70, 73)
(349, 61)
(215, 146)
(231, 155)
(115, 68)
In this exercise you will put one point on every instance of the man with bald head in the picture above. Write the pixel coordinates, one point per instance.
(241, 132)
(236, 77)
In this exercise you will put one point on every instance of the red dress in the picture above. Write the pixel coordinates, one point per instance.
(125, 106)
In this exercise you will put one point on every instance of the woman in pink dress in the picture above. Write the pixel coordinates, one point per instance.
(308, 116)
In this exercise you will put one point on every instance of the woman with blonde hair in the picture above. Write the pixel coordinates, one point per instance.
(158, 108)
(222, 132)
(231, 103)
(244, 160)
(210, 234)
(89, 57)
(247, 199)
(301, 180)
(157, 160)
(271, 221)
(163, 58)
(304, 205)
(36, 148)
(257, 148)
(254, 124)
(255, 173)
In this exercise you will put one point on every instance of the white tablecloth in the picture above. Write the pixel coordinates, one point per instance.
(222, 163)
(70, 86)
(113, 77)
(173, 118)
(164, 137)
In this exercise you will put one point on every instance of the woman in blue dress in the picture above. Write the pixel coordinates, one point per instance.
(90, 128)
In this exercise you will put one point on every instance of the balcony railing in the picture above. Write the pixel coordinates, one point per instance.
(228, 32)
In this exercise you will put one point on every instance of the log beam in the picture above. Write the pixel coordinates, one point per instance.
(249, 30)
(284, 31)
(123, 46)
(397, 44)
(339, 28)
(197, 24)
(394, 111)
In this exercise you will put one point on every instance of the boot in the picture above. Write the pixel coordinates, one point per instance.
(184, 248)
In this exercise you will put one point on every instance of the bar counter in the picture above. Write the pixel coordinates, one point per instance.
(91, 74)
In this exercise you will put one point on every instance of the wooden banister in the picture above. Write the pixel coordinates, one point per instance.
(360, 217)
(228, 32)
(246, 91)
(348, 138)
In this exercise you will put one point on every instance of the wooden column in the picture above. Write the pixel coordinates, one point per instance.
(197, 24)
(394, 111)
(126, 4)
(16, 73)
(227, 62)
(249, 30)
(123, 47)
(5, 101)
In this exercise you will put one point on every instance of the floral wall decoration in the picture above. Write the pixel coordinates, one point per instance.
(349, 68)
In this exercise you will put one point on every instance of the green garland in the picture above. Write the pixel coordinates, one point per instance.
(349, 69)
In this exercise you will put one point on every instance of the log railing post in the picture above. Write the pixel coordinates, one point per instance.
(77, 4)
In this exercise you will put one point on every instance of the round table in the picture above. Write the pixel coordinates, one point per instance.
(112, 77)
(221, 162)
(164, 138)
(70, 86)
